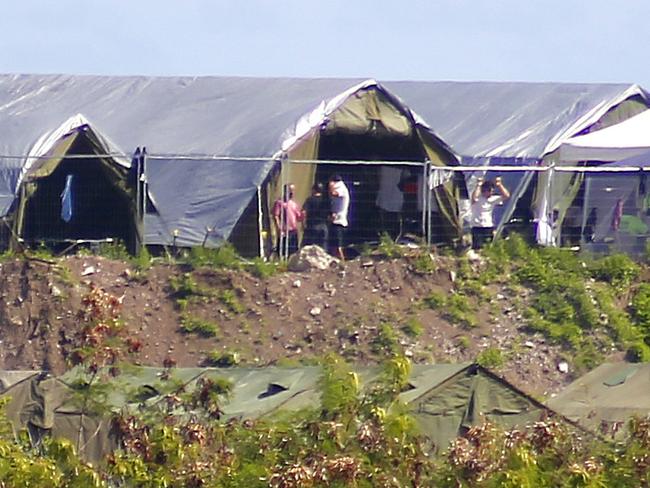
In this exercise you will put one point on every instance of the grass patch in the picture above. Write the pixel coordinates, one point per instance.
(385, 342)
(230, 301)
(223, 359)
(413, 328)
(195, 325)
(490, 358)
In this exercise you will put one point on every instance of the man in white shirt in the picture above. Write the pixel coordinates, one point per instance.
(339, 206)
(483, 202)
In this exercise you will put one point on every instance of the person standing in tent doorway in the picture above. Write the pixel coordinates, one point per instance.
(483, 202)
(286, 215)
(339, 207)
(315, 212)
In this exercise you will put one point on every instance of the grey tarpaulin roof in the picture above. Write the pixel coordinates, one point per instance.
(509, 119)
(236, 117)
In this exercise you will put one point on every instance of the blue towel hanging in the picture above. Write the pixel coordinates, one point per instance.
(67, 199)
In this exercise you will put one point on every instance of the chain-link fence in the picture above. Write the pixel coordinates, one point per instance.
(343, 206)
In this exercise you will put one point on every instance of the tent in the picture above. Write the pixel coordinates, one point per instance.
(624, 140)
(215, 145)
(604, 399)
(520, 124)
(444, 399)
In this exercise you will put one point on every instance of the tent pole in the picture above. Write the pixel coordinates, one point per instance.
(423, 202)
(428, 202)
(283, 244)
(585, 210)
(142, 179)
(260, 223)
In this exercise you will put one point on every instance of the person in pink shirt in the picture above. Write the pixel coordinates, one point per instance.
(286, 215)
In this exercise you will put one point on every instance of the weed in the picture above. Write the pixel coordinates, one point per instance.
(490, 358)
(463, 343)
(229, 299)
(142, 262)
(459, 310)
(224, 256)
(223, 359)
(195, 325)
(114, 250)
(265, 269)
(435, 300)
(424, 263)
(617, 269)
(185, 288)
(388, 247)
(386, 340)
(413, 328)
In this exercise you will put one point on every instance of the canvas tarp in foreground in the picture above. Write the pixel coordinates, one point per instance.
(444, 399)
(604, 399)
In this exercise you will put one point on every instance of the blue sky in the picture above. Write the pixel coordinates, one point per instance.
(534, 40)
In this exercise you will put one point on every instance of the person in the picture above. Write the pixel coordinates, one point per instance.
(286, 216)
(390, 200)
(339, 207)
(315, 213)
(483, 202)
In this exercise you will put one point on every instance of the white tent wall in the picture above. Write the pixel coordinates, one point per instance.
(553, 197)
(623, 140)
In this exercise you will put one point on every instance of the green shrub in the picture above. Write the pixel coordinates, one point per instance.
(195, 325)
(114, 250)
(223, 359)
(229, 299)
(388, 247)
(617, 269)
(463, 343)
(224, 256)
(435, 300)
(424, 263)
(413, 327)
(490, 358)
(265, 269)
(641, 308)
(385, 342)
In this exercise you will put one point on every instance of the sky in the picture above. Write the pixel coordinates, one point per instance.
(502, 40)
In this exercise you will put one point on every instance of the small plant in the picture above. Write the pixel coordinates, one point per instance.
(229, 299)
(195, 325)
(413, 328)
(386, 340)
(265, 269)
(114, 250)
(463, 343)
(490, 358)
(223, 359)
(435, 300)
(185, 290)
(388, 247)
(617, 269)
(424, 263)
(224, 256)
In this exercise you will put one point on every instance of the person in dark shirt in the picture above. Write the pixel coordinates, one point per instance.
(316, 211)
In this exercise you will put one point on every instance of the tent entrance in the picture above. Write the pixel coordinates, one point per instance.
(67, 198)
(367, 217)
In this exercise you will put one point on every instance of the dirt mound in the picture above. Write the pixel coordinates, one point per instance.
(365, 309)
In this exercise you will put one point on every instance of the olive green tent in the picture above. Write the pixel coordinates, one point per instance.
(444, 399)
(604, 399)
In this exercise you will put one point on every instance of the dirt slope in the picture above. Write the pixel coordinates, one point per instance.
(363, 310)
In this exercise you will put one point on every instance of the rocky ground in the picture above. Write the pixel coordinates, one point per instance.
(363, 309)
